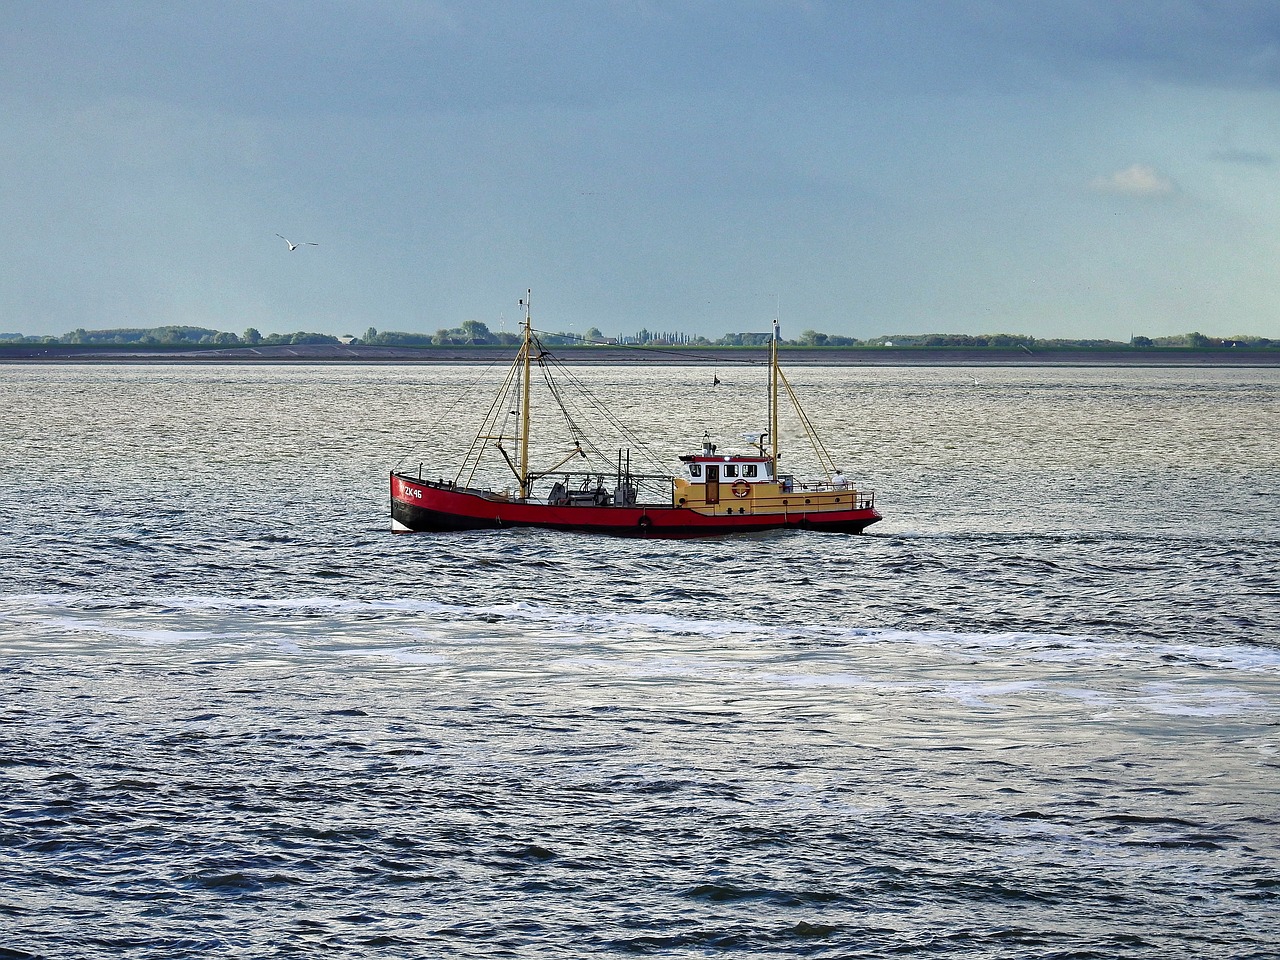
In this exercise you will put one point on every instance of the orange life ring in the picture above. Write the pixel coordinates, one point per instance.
(741, 488)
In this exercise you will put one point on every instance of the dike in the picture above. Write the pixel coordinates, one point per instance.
(685, 356)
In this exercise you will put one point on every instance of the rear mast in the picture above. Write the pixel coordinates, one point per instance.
(773, 393)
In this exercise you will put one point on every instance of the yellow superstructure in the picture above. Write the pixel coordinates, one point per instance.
(745, 485)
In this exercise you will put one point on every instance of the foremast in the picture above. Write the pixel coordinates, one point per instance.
(526, 350)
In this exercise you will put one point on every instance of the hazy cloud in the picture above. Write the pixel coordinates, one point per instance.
(695, 155)
(1218, 43)
(1248, 158)
(1138, 180)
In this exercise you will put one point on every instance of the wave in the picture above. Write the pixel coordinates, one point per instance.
(1058, 647)
(1088, 676)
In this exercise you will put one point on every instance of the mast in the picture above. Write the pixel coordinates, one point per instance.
(524, 400)
(773, 394)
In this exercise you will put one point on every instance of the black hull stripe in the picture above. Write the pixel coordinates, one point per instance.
(422, 520)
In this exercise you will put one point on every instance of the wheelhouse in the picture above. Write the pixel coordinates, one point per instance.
(712, 466)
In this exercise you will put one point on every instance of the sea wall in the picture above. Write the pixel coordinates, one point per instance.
(879, 356)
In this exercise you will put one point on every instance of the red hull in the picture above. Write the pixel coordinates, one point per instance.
(425, 506)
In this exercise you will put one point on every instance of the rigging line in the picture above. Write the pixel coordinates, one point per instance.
(554, 389)
(488, 425)
(464, 394)
(546, 360)
(544, 356)
(819, 448)
(621, 429)
(653, 458)
(603, 410)
(580, 437)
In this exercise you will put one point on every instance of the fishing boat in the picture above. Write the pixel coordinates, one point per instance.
(711, 493)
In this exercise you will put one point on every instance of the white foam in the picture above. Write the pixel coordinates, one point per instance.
(148, 637)
(544, 623)
(394, 654)
(818, 680)
(979, 694)
(1168, 700)
(1234, 657)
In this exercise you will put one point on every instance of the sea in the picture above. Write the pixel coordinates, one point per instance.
(1033, 713)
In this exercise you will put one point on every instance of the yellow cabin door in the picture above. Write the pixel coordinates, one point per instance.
(713, 483)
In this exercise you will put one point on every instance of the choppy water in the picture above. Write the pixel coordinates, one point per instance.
(1035, 713)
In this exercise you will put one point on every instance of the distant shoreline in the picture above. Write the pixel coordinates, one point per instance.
(338, 354)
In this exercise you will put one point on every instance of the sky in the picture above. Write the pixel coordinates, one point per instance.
(1065, 168)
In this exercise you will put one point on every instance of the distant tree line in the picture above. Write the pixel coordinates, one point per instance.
(171, 337)
(471, 333)
(476, 333)
(1016, 341)
(1200, 341)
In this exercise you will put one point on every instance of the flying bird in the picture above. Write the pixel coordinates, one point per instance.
(295, 246)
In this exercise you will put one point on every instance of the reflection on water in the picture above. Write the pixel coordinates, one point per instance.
(1032, 714)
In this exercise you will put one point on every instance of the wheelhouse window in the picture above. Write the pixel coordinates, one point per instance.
(730, 469)
(695, 469)
(749, 470)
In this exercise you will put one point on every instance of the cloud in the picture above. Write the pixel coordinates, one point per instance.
(1138, 180)
(1249, 158)
(1214, 43)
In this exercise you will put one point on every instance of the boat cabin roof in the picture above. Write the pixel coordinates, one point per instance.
(724, 458)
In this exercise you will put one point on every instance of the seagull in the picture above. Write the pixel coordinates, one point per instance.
(295, 246)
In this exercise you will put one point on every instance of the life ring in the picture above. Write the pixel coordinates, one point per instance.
(741, 488)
